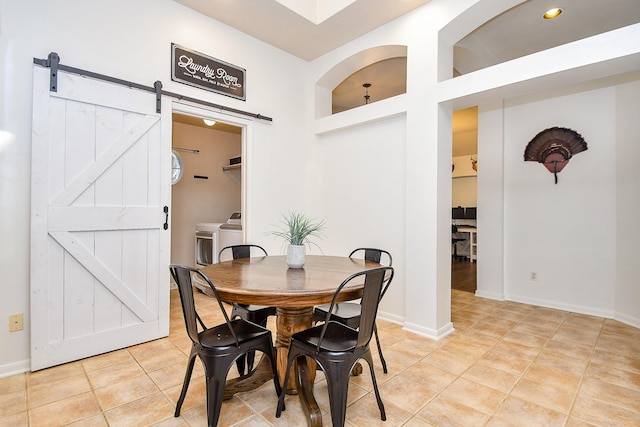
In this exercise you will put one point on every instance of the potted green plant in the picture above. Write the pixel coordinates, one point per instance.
(297, 231)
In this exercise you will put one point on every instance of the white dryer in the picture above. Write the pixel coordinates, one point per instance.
(207, 246)
(206, 251)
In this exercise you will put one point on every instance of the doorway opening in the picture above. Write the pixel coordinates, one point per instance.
(464, 200)
(211, 189)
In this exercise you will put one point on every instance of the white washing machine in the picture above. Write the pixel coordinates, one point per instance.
(229, 234)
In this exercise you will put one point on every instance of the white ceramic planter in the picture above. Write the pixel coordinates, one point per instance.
(296, 256)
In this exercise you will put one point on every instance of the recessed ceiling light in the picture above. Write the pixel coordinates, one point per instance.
(209, 122)
(552, 13)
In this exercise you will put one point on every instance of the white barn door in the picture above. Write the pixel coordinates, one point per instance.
(99, 248)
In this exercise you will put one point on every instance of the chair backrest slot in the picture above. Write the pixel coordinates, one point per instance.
(374, 255)
(242, 251)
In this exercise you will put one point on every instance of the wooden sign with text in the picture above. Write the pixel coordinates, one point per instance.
(202, 71)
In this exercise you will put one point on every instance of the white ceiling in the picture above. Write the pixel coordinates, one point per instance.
(517, 32)
(303, 37)
(314, 29)
(197, 121)
(522, 30)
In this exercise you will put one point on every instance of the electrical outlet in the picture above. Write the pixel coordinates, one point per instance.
(534, 276)
(15, 322)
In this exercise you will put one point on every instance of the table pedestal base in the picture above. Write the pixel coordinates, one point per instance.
(250, 381)
(290, 321)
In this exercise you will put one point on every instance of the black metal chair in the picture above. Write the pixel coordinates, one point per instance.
(242, 251)
(219, 346)
(348, 313)
(257, 314)
(337, 347)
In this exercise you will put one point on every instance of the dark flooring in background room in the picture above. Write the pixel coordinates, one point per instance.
(463, 275)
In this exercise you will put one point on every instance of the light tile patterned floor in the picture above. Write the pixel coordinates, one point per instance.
(507, 364)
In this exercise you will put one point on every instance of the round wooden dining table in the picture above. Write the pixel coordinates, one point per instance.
(294, 292)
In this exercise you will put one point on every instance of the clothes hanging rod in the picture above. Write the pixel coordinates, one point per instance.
(53, 62)
(188, 150)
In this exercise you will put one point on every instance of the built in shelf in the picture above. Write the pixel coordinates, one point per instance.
(232, 167)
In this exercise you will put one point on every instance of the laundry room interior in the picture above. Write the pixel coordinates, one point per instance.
(207, 189)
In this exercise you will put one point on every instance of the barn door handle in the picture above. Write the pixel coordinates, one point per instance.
(166, 217)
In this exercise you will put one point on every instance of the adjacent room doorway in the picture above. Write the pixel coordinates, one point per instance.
(211, 188)
(464, 235)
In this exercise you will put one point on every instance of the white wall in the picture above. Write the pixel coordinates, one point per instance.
(565, 232)
(464, 191)
(405, 139)
(195, 200)
(131, 41)
(423, 270)
(627, 250)
(490, 190)
(427, 183)
(573, 235)
(464, 181)
(359, 190)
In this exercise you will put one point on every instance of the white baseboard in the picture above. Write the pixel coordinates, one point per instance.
(607, 314)
(498, 296)
(417, 329)
(628, 320)
(15, 368)
(590, 311)
(389, 317)
(434, 334)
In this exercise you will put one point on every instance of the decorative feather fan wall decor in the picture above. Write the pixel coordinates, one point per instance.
(554, 147)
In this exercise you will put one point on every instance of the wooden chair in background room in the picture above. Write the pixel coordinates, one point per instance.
(217, 346)
(348, 313)
(257, 314)
(337, 347)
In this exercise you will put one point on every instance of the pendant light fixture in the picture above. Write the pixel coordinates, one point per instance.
(366, 87)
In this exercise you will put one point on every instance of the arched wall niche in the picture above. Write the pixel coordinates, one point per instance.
(341, 71)
(464, 24)
(380, 80)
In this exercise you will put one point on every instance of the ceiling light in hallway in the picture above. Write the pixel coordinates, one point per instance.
(552, 13)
